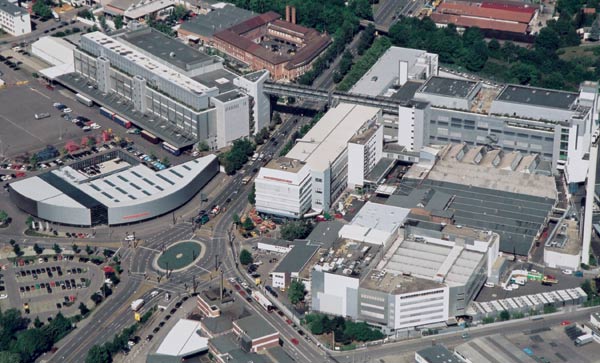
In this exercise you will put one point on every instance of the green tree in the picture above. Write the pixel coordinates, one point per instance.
(83, 309)
(103, 25)
(547, 41)
(37, 322)
(33, 160)
(504, 315)
(366, 39)
(252, 195)
(9, 357)
(96, 298)
(276, 119)
(246, 257)
(31, 343)
(42, 10)
(3, 216)
(523, 73)
(296, 230)
(179, 12)
(248, 225)
(75, 248)
(202, 146)
(98, 354)
(118, 21)
(89, 250)
(316, 327)
(37, 249)
(296, 291)
(586, 286)
(57, 248)
(236, 219)
(29, 221)
(17, 250)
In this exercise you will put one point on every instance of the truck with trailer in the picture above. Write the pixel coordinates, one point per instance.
(149, 137)
(84, 100)
(121, 121)
(136, 305)
(262, 300)
(584, 339)
(106, 113)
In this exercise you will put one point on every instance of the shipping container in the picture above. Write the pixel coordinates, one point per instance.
(149, 137)
(121, 121)
(172, 149)
(106, 113)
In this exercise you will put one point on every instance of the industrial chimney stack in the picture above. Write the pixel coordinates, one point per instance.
(293, 15)
(287, 13)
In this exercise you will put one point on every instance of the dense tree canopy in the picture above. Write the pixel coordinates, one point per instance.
(296, 291)
(296, 230)
(504, 63)
(345, 331)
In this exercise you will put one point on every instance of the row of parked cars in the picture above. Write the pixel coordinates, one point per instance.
(149, 160)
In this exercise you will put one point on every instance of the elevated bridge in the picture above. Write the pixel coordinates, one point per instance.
(388, 105)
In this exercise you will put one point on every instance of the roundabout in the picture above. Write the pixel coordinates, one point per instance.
(180, 255)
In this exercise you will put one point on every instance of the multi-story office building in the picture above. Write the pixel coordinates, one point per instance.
(13, 19)
(425, 277)
(315, 171)
(178, 93)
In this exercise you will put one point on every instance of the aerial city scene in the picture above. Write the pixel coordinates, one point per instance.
(300, 181)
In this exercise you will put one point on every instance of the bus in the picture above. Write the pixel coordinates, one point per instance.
(86, 101)
(172, 149)
(149, 137)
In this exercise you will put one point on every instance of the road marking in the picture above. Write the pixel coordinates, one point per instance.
(38, 92)
(21, 128)
(148, 248)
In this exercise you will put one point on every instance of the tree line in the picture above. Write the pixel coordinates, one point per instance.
(507, 62)
(237, 156)
(345, 332)
(19, 344)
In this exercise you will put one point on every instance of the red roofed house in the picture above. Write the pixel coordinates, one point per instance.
(285, 49)
(491, 16)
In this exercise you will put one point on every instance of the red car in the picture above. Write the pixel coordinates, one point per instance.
(294, 341)
(288, 321)
(565, 323)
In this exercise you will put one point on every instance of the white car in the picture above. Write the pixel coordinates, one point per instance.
(95, 126)
(245, 285)
(67, 110)
(3, 296)
(567, 272)
(154, 293)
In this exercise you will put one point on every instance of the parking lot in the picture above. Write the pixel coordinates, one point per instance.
(46, 285)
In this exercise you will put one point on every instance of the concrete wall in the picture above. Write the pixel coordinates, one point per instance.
(334, 294)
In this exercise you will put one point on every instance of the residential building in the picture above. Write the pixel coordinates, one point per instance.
(14, 19)
(283, 48)
(315, 172)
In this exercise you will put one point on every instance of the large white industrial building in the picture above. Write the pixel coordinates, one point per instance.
(426, 276)
(315, 172)
(111, 189)
(13, 19)
(180, 94)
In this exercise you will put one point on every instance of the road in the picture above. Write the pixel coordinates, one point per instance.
(389, 11)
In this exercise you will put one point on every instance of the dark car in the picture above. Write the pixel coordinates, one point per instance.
(156, 330)
(149, 337)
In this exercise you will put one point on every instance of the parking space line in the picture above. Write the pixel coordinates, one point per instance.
(38, 92)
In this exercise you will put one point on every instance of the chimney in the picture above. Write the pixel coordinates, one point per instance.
(293, 15)
(287, 13)
(403, 73)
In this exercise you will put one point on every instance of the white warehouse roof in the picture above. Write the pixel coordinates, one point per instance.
(375, 223)
(183, 340)
(329, 137)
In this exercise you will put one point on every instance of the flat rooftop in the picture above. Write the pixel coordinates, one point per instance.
(452, 265)
(330, 136)
(11, 8)
(438, 354)
(297, 258)
(255, 326)
(493, 349)
(385, 72)
(122, 47)
(566, 240)
(216, 20)
(325, 233)
(219, 78)
(397, 284)
(170, 50)
(449, 87)
(229, 96)
(537, 96)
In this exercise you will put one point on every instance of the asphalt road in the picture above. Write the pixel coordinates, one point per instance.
(389, 11)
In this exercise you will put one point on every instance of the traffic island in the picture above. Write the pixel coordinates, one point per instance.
(180, 256)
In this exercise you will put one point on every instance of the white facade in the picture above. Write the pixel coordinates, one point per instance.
(421, 307)
(557, 259)
(314, 172)
(363, 155)
(233, 113)
(54, 51)
(13, 19)
(253, 84)
(283, 192)
(279, 279)
(273, 247)
(338, 295)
